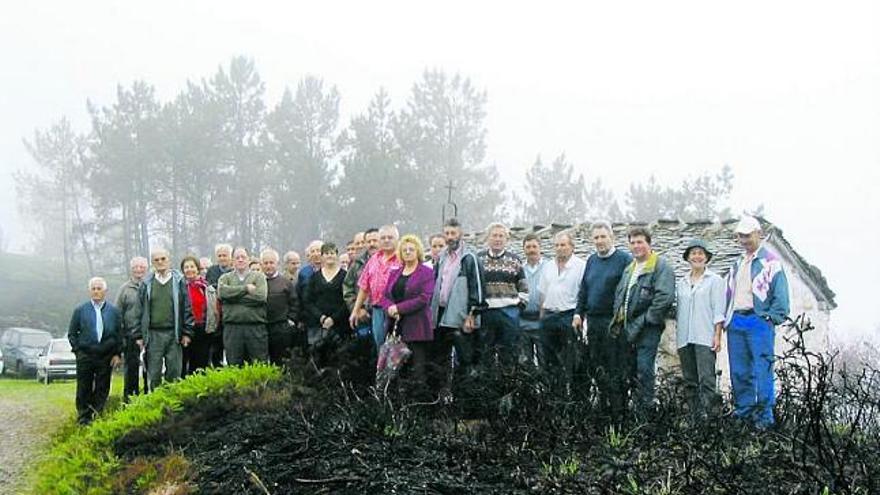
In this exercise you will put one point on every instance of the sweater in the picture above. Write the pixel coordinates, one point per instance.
(239, 306)
(505, 280)
(282, 301)
(596, 294)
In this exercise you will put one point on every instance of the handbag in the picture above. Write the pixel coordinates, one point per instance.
(393, 355)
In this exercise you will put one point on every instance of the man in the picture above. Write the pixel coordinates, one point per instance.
(559, 285)
(344, 260)
(313, 253)
(291, 265)
(456, 304)
(282, 308)
(128, 304)
(372, 281)
(595, 307)
(529, 318)
(369, 246)
(243, 293)
(642, 301)
(506, 288)
(757, 301)
(204, 265)
(94, 335)
(223, 256)
(166, 319)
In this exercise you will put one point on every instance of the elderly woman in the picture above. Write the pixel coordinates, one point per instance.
(203, 303)
(700, 316)
(326, 313)
(407, 303)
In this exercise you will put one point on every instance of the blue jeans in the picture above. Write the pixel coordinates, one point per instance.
(378, 322)
(645, 348)
(750, 347)
(500, 333)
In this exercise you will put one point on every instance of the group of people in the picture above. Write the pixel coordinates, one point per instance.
(459, 309)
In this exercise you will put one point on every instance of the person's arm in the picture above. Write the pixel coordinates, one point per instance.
(580, 309)
(664, 295)
(294, 307)
(522, 286)
(358, 312)
(350, 288)
(188, 319)
(73, 330)
(779, 303)
(259, 295)
(141, 329)
(310, 299)
(227, 292)
(474, 274)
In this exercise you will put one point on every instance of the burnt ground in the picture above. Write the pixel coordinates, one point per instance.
(509, 433)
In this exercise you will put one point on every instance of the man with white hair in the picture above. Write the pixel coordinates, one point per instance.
(282, 308)
(94, 335)
(757, 301)
(313, 254)
(166, 319)
(292, 262)
(223, 257)
(373, 280)
(128, 303)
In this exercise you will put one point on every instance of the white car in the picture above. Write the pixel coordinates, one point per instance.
(56, 361)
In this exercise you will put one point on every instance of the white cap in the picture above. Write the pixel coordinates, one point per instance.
(747, 225)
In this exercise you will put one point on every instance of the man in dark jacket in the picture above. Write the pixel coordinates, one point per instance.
(642, 302)
(282, 308)
(129, 305)
(94, 335)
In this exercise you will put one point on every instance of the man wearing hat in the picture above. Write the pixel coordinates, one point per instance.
(699, 320)
(757, 301)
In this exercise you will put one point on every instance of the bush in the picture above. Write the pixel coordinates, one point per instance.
(85, 462)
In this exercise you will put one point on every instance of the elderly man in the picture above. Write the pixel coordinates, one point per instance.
(757, 301)
(558, 288)
(94, 335)
(282, 308)
(128, 304)
(506, 288)
(596, 308)
(372, 281)
(204, 265)
(292, 263)
(313, 253)
(642, 302)
(243, 293)
(166, 319)
(456, 304)
(223, 256)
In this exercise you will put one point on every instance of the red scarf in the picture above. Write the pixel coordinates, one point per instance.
(197, 299)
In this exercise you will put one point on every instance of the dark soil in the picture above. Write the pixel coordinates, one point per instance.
(516, 432)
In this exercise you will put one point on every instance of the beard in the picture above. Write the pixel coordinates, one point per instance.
(453, 245)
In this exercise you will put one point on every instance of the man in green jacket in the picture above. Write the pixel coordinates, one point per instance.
(243, 293)
(642, 302)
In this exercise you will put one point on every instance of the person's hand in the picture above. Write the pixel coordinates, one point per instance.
(577, 322)
(392, 311)
(469, 324)
(140, 343)
(115, 361)
(251, 288)
(185, 340)
(328, 323)
(353, 318)
(716, 342)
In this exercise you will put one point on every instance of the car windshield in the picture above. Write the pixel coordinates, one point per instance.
(60, 346)
(34, 340)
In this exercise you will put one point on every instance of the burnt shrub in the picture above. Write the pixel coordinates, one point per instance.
(517, 430)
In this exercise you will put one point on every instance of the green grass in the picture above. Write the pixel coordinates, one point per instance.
(84, 462)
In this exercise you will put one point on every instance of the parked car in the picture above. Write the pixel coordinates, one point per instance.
(56, 361)
(21, 349)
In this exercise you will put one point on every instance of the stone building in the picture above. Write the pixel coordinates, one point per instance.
(809, 292)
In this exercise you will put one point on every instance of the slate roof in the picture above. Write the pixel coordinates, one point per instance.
(669, 238)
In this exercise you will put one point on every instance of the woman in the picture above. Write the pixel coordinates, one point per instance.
(325, 309)
(699, 318)
(407, 303)
(196, 355)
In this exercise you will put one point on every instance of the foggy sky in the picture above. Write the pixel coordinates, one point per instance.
(786, 93)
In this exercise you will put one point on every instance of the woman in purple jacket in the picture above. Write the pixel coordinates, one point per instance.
(408, 305)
